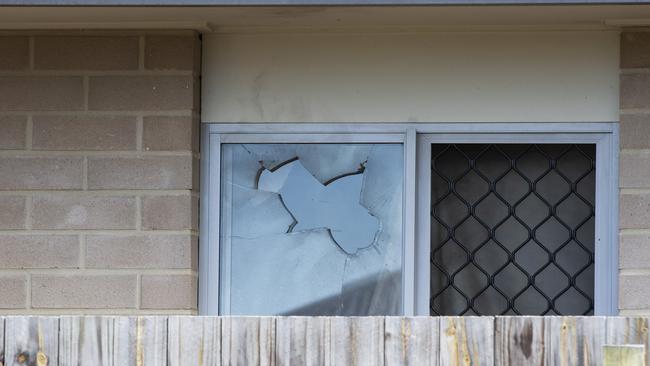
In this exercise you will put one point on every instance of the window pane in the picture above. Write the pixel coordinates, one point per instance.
(311, 229)
(512, 229)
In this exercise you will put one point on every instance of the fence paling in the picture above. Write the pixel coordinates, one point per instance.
(382, 341)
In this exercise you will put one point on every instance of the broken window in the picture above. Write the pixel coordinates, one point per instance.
(311, 229)
(426, 219)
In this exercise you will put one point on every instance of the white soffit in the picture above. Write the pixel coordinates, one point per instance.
(236, 19)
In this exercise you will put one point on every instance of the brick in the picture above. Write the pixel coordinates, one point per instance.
(169, 292)
(169, 212)
(196, 99)
(83, 291)
(81, 211)
(635, 211)
(86, 52)
(141, 251)
(633, 292)
(196, 176)
(39, 251)
(635, 91)
(635, 49)
(13, 290)
(172, 53)
(76, 132)
(41, 93)
(14, 53)
(634, 170)
(635, 251)
(12, 132)
(160, 92)
(28, 172)
(152, 172)
(12, 212)
(170, 133)
(635, 131)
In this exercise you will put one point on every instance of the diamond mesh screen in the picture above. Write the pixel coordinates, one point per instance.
(512, 229)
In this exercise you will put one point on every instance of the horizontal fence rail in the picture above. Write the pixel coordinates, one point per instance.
(208, 341)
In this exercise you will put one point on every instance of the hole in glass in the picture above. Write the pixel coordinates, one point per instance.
(311, 229)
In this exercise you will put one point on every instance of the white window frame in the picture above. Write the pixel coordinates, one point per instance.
(416, 139)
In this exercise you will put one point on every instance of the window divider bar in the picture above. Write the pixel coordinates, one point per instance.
(408, 255)
(423, 226)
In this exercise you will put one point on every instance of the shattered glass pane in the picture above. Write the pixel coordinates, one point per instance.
(311, 229)
(321, 206)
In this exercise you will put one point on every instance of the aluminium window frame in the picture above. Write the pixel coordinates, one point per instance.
(416, 139)
(214, 135)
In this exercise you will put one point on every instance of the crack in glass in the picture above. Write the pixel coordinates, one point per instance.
(333, 206)
(311, 229)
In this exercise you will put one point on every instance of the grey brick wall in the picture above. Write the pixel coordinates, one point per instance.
(635, 172)
(98, 159)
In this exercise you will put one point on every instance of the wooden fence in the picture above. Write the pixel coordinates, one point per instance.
(207, 341)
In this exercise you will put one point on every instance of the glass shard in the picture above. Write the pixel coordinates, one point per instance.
(334, 207)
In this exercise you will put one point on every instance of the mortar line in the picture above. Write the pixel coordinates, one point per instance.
(634, 271)
(635, 70)
(29, 132)
(86, 90)
(31, 53)
(635, 152)
(91, 153)
(166, 113)
(634, 190)
(100, 271)
(120, 233)
(141, 50)
(84, 172)
(28, 292)
(86, 73)
(634, 111)
(133, 32)
(139, 132)
(104, 192)
(624, 232)
(138, 213)
(138, 292)
(82, 251)
(29, 203)
(87, 311)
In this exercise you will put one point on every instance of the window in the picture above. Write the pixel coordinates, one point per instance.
(311, 228)
(426, 219)
(512, 229)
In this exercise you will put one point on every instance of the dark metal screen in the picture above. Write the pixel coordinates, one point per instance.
(512, 229)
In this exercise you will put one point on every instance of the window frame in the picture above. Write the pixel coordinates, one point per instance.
(416, 139)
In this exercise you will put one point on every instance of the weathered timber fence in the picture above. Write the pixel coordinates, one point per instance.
(207, 341)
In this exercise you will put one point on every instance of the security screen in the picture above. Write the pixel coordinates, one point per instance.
(512, 229)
